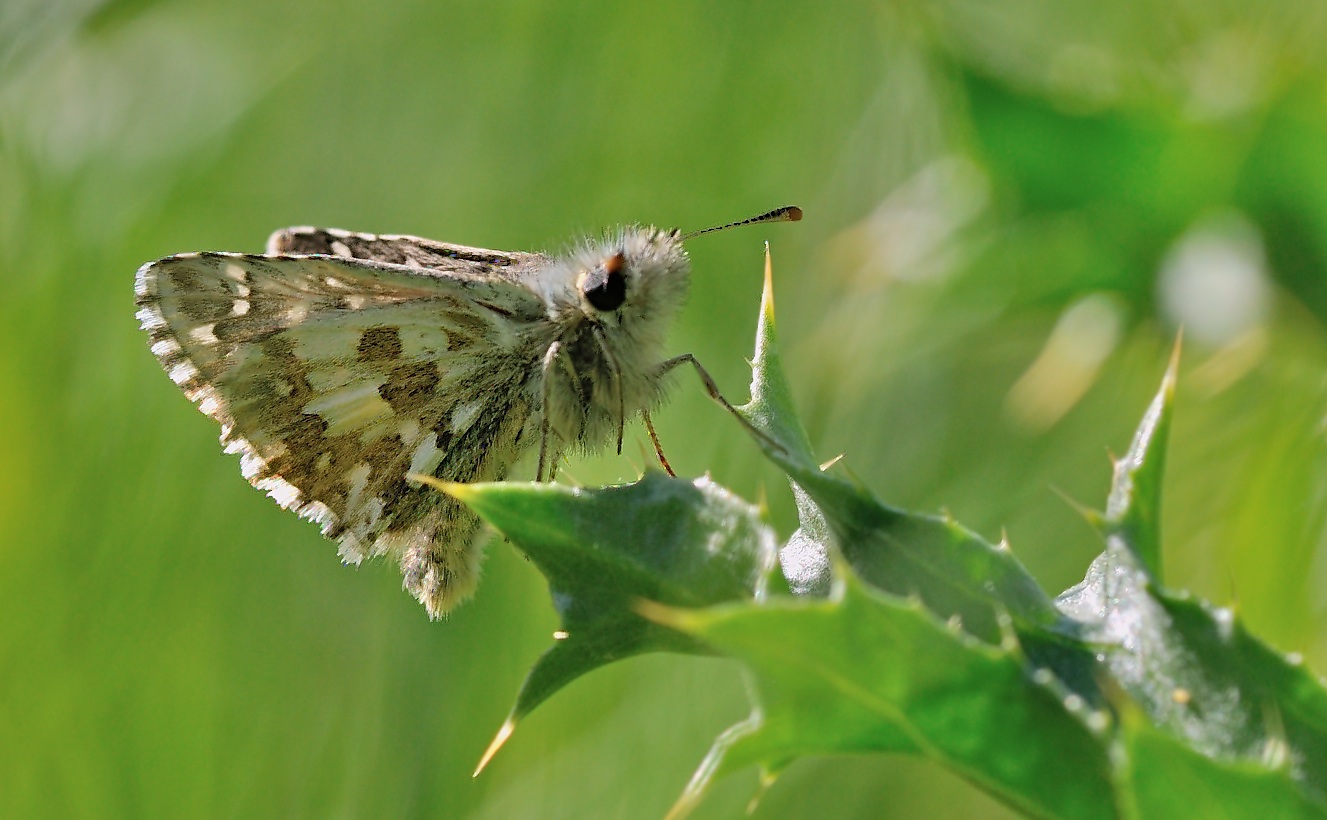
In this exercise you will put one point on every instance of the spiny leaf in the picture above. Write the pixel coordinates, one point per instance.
(969, 587)
(953, 570)
(1133, 508)
(603, 550)
(1192, 670)
(1190, 667)
(866, 672)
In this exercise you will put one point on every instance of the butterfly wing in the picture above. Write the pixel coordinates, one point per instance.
(396, 249)
(334, 377)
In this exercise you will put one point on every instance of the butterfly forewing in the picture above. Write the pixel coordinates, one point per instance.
(335, 377)
(411, 251)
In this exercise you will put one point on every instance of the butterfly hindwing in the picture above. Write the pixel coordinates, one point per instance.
(333, 378)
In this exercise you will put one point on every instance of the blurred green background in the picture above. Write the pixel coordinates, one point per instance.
(1011, 206)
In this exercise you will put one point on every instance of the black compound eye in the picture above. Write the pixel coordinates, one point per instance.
(605, 287)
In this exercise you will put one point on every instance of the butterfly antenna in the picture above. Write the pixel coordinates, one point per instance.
(788, 213)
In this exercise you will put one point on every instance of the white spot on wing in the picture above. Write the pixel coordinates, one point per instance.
(240, 308)
(281, 491)
(237, 272)
(201, 393)
(340, 248)
(427, 456)
(150, 319)
(464, 415)
(358, 479)
(408, 431)
(183, 372)
(351, 551)
(373, 511)
(319, 513)
(203, 335)
(251, 465)
(210, 405)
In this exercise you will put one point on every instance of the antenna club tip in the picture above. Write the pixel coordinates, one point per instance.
(788, 213)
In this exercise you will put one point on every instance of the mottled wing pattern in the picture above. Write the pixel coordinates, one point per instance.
(333, 378)
(411, 251)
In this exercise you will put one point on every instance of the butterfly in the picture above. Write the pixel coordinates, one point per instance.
(339, 363)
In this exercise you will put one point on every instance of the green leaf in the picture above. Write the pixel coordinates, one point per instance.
(954, 571)
(865, 671)
(1190, 667)
(683, 543)
(854, 673)
(1133, 509)
(989, 613)
(770, 410)
(1169, 779)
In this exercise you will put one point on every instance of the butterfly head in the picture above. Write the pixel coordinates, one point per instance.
(632, 283)
(638, 275)
(637, 278)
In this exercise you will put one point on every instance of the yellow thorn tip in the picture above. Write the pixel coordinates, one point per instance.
(767, 297)
(498, 740)
(452, 488)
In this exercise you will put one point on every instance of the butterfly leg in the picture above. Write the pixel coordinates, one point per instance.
(617, 383)
(658, 448)
(553, 357)
(713, 390)
(550, 356)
